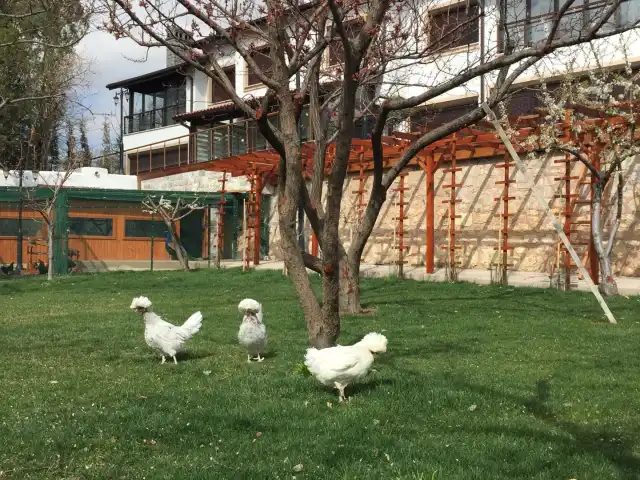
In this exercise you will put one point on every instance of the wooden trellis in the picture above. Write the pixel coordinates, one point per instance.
(467, 144)
(573, 217)
(400, 246)
(504, 260)
(362, 182)
(451, 260)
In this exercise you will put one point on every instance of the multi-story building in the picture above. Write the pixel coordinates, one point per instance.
(168, 107)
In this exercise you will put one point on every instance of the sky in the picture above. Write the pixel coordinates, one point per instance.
(111, 60)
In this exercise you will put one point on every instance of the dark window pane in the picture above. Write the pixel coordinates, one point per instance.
(9, 227)
(435, 116)
(144, 228)
(263, 61)
(454, 27)
(96, 227)
(219, 94)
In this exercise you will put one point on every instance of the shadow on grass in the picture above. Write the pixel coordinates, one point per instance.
(357, 388)
(615, 446)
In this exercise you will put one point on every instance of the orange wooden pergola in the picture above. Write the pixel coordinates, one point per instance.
(475, 142)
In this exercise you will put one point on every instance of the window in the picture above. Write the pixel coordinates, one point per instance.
(454, 26)
(526, 100)
(435, 116)
(156, 106)
(91, 227)
(9, 227)
(336, 49)
(144, 228)
(263, 61)
(219, 94)
(529, 22)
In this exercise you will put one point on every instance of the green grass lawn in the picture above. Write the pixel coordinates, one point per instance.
(478, 383)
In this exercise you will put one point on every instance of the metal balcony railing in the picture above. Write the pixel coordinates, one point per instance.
(160, 117)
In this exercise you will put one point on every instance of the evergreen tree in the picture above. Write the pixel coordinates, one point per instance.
(85, 150)
(54, 148)
(71, 144)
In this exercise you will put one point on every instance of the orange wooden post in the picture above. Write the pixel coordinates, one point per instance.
(504, 246)
(451, 232)
(220, 232)
(430, 215)
(314, 244)
(401, 218)
(248, 221)
(257, 211)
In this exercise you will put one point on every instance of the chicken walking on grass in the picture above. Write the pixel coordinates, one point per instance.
(163, 337)
(253, 333)
(341, 366)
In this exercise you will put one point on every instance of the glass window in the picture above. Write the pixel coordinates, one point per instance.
(515, 10)
(137, 102)
(541, 7)
(629, 13)
(263, 61)
(535, 18)
(454, 27)
(149, 102)
(91, 227)
(160, 100)
(144, 228)
(9, 227)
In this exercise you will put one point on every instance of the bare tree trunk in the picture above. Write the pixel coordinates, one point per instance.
(50, 231)
(608, 285)
(350, 285)
(180, 252)
(323, 326)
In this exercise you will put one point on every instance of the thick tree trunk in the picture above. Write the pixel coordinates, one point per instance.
(323, 323)
(180, 251)
(50, 230)
(608, 286)
(350, 286)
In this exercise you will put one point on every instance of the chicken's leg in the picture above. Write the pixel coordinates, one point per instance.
(260, 359)
(163, 360)
(340, 388)
(174, 360)
(248, 358)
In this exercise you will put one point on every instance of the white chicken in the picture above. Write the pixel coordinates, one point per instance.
(163, 337)
(341, 366)
(253, 333)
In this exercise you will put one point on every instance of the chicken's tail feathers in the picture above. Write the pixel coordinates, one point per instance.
(193, 323)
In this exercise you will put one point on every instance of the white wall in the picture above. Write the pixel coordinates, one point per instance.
(86, 177)
(201, 94)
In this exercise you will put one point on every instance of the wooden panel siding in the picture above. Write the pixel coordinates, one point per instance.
(93, 248)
